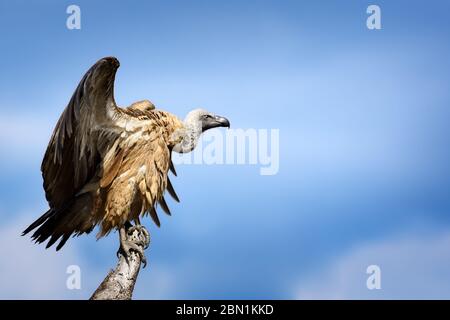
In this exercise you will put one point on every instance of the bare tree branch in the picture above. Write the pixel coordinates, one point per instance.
(119, 283)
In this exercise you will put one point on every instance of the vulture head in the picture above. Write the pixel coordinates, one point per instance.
(205, 120)
(196, 122)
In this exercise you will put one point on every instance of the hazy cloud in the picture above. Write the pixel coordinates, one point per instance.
(413, 266)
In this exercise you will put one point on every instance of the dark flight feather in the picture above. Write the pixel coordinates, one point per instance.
(171, 191)
(164, 206)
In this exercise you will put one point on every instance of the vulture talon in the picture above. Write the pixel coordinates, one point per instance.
(130, 241)
(143, 235)
(127, 246)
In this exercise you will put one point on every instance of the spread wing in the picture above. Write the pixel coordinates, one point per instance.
(72, 155)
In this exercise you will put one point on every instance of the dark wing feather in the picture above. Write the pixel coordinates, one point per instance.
(164, 206)
(172, 167)
(154, 216)
(171, 190)
(72, 157)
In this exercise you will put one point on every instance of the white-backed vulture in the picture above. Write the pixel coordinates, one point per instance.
(107, 165)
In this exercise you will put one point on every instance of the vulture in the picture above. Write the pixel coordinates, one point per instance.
(108, 166)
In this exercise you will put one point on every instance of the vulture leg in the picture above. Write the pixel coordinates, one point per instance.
(126, 245)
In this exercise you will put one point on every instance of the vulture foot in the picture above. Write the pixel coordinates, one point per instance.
(134, 238)
(143, 235)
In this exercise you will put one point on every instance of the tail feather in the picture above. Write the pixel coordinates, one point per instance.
(62, 242)
(57, 223)
(39, 221)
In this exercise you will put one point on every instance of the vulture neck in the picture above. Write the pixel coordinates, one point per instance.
(186, 137)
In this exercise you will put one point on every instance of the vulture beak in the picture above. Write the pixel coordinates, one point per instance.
(222, 121)
(214, 122)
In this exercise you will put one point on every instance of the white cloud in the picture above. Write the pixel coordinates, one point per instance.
(28, 271)
(413, 266)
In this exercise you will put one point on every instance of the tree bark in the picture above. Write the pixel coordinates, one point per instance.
(119, 283)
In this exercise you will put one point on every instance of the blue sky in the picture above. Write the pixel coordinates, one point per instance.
(364, 151)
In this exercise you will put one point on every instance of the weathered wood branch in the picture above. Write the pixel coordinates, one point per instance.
(119, 283)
